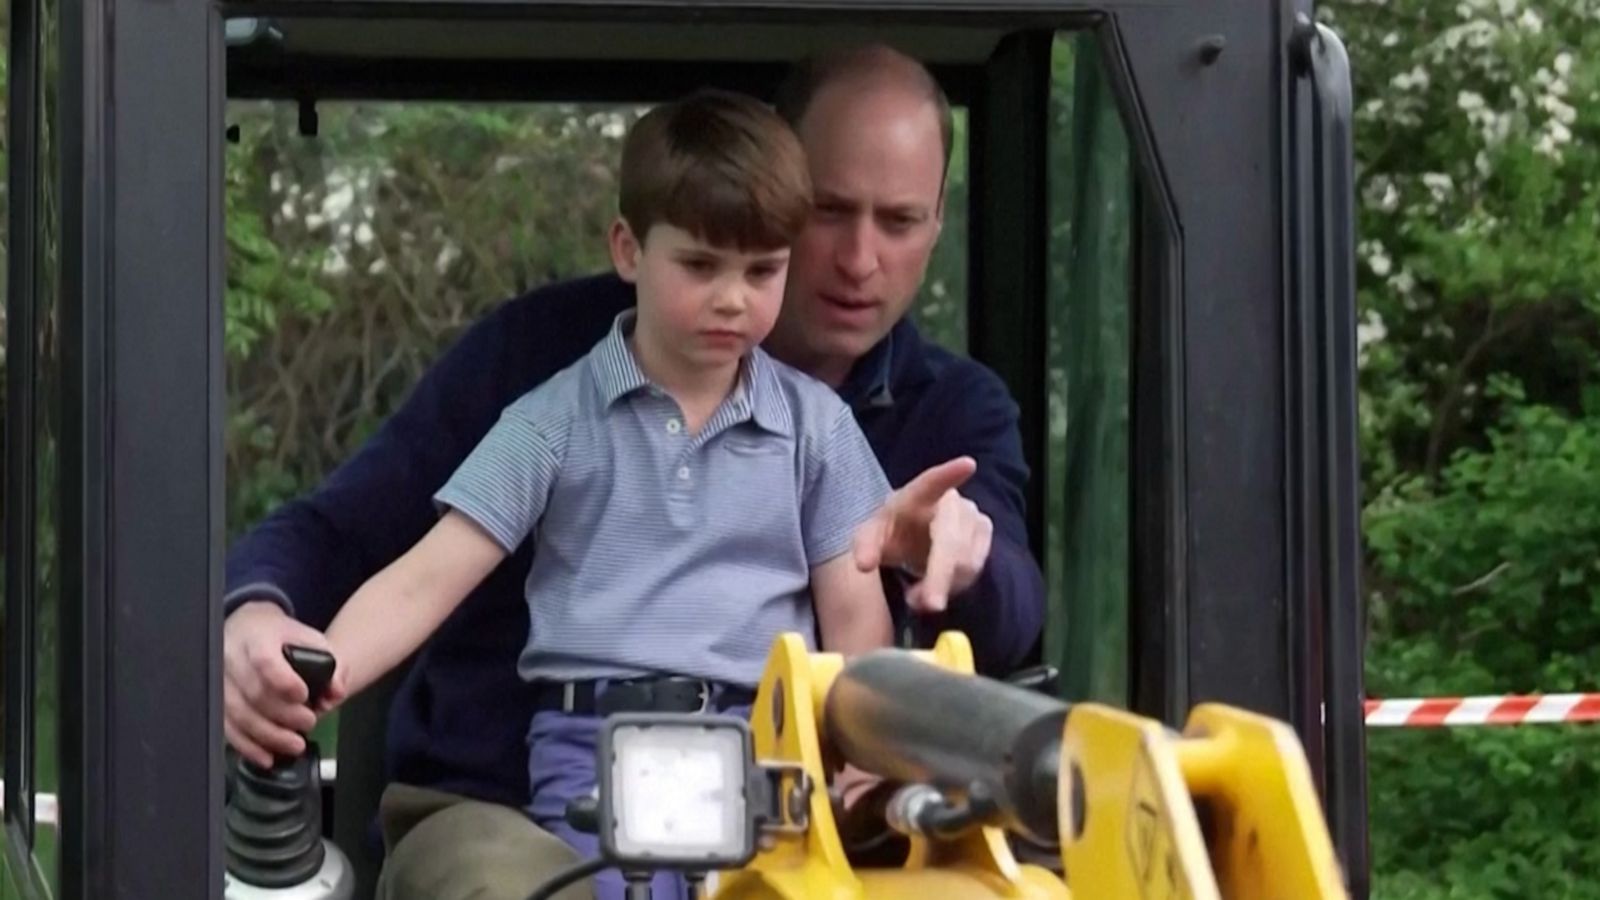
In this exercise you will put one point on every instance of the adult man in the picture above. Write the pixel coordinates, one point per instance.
(876, 128)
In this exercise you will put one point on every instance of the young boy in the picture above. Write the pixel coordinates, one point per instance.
(691, 498)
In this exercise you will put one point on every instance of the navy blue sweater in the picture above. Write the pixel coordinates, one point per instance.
(459, 718)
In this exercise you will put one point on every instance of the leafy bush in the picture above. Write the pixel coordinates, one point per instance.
(1478, 147)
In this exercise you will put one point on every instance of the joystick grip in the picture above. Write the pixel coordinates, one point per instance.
(315, 668)
(273, 825)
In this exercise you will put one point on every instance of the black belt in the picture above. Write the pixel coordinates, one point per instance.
(666, 694)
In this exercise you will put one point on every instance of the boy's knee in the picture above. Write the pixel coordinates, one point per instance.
(481, 851)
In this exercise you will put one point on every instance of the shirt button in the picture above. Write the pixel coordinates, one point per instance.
(683, 473)
(674, 426)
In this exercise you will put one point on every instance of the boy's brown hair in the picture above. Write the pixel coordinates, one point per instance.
(719, 165)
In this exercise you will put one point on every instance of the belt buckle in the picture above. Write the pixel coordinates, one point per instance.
(705, 696)
(569, 696)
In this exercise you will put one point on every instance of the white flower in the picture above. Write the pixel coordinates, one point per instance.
(1377, 258)
(1439, 185)
(1496, 128)
(1469, 101)
(1416, 78)
(1370, 330)
(1563, 63)
(447, 257)
(1476, 34)
(1531, 21)
(335, 263)
(1561, 111)
(338, 200)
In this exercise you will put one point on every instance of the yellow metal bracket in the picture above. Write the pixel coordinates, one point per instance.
(1227, 810)
(788, 727)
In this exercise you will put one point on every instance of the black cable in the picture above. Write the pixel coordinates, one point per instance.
(567, 876)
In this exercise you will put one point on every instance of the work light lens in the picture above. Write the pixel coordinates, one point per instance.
(678, 792)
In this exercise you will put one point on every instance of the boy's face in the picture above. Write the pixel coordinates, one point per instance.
(706, 305)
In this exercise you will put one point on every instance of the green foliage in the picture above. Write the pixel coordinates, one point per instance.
(1478, 145)
(354, 257)
(1487, 581)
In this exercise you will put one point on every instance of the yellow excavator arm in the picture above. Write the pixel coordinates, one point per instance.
(1227, 809)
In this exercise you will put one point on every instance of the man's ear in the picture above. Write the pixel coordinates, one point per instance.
(625, 250)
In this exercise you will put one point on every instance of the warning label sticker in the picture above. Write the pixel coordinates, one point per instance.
(1151, 851)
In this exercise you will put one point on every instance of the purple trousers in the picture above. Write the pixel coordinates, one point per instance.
(561, 761)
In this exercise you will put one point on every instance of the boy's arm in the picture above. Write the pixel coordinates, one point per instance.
(853, 617)
(852, 612)
(844, 488)
(390, 616)
(494, 501)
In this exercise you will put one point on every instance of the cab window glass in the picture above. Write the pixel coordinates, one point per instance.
(1090, 180)
(941, 310)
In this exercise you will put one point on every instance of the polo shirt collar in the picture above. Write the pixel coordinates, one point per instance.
(617, 374)
(615, 370)
(868, 384)
(769, 403)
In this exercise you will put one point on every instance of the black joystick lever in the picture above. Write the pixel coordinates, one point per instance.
(273, 837)
(315, 668)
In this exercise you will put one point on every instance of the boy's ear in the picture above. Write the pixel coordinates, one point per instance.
(625, 250)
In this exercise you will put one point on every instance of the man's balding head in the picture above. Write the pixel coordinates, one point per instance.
(862, 68)
(871, 121)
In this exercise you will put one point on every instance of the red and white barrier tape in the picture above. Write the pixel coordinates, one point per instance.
(1508, 709)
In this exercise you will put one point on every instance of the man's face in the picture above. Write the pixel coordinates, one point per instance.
(877, 169)
(702, 306)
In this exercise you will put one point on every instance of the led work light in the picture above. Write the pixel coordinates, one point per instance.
(676, 791)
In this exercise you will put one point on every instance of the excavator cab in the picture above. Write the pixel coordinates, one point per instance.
(1148, 237)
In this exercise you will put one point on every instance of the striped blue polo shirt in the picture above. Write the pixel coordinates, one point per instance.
(657, 550)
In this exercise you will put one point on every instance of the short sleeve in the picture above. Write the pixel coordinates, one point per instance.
(504, 484)
(845, 485)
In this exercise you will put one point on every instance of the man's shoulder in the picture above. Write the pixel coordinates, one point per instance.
(564, 315)
(958, 380)
(523, 341)
(558, 399)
